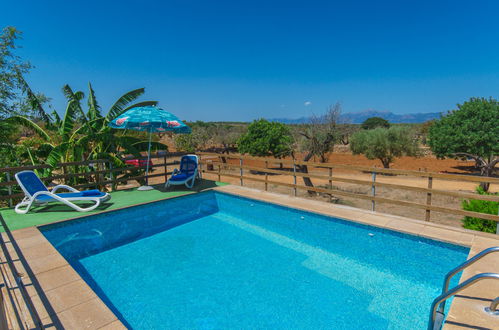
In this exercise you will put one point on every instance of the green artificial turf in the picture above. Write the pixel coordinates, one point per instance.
(122, 198)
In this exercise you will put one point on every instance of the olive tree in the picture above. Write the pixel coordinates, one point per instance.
(472, 131)
(384, 144)
(318, 138)
(195, 141)
(225, 135)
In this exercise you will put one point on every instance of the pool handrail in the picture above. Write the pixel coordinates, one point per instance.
(436, 318)
(462, 266)
(492, 309)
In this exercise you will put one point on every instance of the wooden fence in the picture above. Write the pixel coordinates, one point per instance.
(97, 173)
(220, 166)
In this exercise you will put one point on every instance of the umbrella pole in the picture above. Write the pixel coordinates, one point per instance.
(148, 157)
(147, 187)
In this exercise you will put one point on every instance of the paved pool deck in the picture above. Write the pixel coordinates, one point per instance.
(64, 300)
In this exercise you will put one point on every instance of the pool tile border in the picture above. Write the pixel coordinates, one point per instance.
(66, 301)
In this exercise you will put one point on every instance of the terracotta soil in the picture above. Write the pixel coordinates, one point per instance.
(428, 163)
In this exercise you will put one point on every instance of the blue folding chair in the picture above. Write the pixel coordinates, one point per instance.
(187, 174)
(37, 193)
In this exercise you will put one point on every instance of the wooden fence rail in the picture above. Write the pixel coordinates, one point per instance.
(221, 165)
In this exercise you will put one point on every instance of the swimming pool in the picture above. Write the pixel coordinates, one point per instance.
(213, 260)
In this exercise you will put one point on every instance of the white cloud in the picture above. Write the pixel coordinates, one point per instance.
(307, 103)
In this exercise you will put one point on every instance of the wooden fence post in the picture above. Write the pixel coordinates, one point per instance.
(111, 175)
(241, 170)
(166, 167)
(266, 175)
(428, 198)
(373, 192)
(64, 172)
(99, 175)
(330, 184)
(294, 177)
(9, 187)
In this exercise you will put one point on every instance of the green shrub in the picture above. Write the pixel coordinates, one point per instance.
(475, 205)
(265, 138)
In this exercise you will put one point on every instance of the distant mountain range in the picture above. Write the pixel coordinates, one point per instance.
(359, 117)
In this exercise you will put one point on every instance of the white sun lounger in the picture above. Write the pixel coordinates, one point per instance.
(37, 193)
(187, 174)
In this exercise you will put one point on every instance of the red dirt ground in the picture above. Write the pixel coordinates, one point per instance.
(427, 163)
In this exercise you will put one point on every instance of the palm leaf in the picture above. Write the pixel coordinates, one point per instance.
(30, 156)
(141, 104)
(67, 123)
(93, 107)
(119, 106)
(68, 92)
(44, 149)
(76, 97)
(87, 138)
(85, 128)
(117, 162)
(57, 118)
(143, 145)
(20, 120)
(126, 144)
(57, 155)
(33, 100)
(70, 95)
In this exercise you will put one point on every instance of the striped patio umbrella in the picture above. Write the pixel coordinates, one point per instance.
(150, 119)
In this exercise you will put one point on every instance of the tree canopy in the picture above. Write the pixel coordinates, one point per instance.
(265, 138)
(374, 122)
(12, 68)
(16, 97)
(472, 130)
(384, 144)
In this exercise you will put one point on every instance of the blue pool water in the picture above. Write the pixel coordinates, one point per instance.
(217, 261)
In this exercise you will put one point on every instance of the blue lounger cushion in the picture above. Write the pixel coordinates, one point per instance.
(86, 193)
(187, 172)
(181, 176)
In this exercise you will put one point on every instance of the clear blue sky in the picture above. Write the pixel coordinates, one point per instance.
(240, 60)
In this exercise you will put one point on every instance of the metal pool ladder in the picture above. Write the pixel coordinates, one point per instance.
(437, 315)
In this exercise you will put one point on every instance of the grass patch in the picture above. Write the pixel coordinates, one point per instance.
(122, 198)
